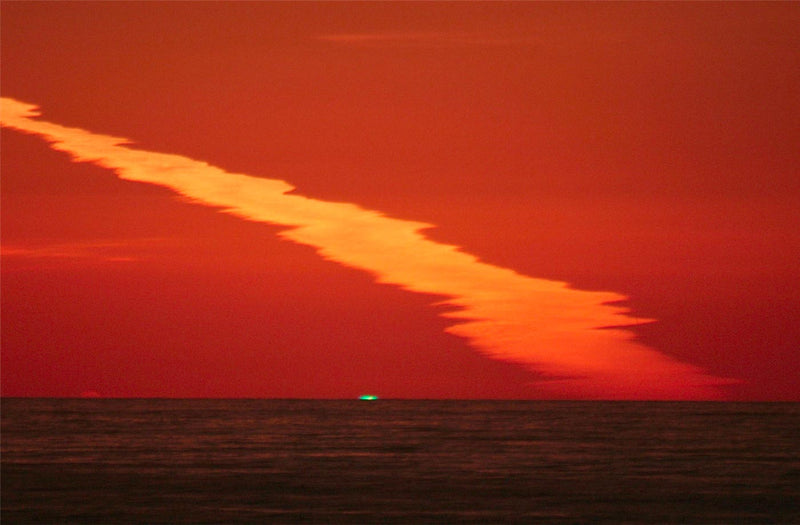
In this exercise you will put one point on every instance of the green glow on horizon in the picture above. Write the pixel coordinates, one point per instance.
(367, 397)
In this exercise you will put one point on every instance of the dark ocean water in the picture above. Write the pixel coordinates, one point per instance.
(266, 461)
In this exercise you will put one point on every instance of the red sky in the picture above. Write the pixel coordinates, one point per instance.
(647, 149)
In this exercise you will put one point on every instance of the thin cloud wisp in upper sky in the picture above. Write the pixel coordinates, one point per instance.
(574, 338)
(389, 38)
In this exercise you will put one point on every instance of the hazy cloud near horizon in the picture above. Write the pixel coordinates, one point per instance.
(107, 251)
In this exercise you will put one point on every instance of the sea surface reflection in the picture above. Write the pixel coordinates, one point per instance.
(229, 461)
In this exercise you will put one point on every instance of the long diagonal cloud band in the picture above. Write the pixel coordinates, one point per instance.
(575, 339)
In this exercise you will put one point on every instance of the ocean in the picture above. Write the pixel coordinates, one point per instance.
(396, 461)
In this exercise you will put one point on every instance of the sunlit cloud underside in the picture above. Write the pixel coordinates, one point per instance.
(574, 339)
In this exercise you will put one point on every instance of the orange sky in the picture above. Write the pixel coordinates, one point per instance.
(645, 151)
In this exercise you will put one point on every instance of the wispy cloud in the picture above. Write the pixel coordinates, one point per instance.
(92, 251)
(577, 338)
(389, 38)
